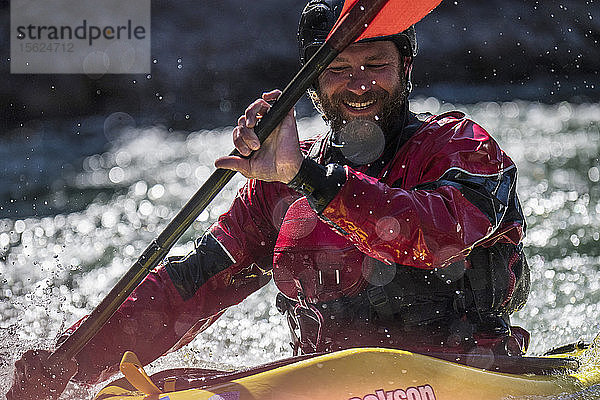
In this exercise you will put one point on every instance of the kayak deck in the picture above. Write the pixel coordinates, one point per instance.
(364, 374)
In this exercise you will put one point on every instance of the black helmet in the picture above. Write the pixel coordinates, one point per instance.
(319, 16)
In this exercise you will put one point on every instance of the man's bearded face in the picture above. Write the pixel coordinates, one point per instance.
(366, 81)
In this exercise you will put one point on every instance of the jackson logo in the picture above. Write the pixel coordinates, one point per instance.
(412, 393)
(226, 396)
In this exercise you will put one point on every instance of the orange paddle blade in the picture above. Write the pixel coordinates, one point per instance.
(394, 17)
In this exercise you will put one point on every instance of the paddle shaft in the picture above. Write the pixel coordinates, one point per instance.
(354, 23)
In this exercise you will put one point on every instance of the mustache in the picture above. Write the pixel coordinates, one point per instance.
(349, 97)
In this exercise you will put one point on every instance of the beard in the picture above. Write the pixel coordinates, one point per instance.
(391, 108)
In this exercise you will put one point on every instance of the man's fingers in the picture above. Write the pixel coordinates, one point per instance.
(245, 141)
(255, 111)
(34, 379)
(274, 161)
(31, 354)
(246, 134)
(244, 138)
(20, 364)
(239, 143)
(272, 95)
(234, 163)
(67, 369)
(31, 361)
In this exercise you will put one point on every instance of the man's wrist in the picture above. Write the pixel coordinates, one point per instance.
(320, 184)
(296, 167)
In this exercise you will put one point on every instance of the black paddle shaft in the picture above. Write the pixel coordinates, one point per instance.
(347, 31)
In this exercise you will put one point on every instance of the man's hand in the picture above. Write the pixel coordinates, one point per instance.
(278, 159)
(35, 381)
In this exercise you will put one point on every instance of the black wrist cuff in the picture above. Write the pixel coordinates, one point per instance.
(320, 184)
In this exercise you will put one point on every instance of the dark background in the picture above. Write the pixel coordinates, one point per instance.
(212, 57)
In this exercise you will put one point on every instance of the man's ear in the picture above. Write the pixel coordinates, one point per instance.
(313, 95)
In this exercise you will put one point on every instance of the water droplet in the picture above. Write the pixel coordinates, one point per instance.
(594, 174)
(116, 174)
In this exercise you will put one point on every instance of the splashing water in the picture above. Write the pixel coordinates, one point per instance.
(55, 268)
(590, 359)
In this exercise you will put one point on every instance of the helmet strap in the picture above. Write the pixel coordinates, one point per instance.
(408, 64)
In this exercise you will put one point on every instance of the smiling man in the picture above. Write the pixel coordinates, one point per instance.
(388, 230)
(368, 80)
(408, 229)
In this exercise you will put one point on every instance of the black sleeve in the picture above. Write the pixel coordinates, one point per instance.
(320, 184)
(192, 271)
(494, 195)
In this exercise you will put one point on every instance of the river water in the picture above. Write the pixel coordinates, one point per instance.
(95, 216)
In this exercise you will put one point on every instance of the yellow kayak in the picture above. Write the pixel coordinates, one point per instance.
(366, 374)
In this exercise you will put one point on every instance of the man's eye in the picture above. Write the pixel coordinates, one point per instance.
(375, 66)
(337, 69)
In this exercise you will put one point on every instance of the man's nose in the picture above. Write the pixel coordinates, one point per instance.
(359, 81)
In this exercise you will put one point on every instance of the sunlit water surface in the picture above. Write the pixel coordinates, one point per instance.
(55, 269)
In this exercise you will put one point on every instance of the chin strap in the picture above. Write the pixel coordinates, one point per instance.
(408, 64)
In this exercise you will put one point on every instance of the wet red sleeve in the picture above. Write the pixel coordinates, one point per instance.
(157, 318)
